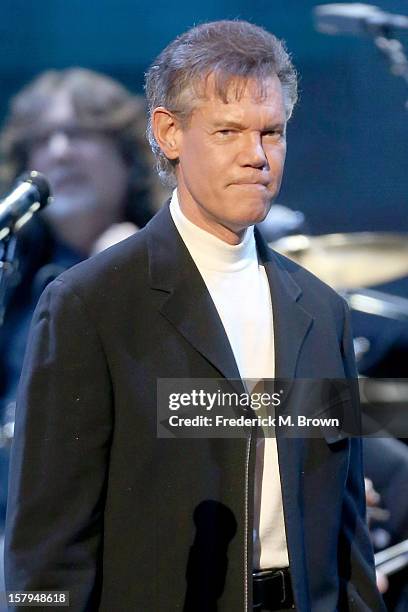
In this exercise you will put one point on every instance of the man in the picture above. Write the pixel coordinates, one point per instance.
(101, 506)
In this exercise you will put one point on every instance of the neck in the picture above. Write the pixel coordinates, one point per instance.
(200, 217)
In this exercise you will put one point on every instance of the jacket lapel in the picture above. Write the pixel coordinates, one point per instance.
(188, 304)
(190, 309)
(291, 321)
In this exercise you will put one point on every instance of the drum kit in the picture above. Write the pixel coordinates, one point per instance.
(352, 264)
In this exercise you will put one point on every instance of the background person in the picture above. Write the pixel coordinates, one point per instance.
(86, 133)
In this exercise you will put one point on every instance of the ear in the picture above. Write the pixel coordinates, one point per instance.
(166, 130)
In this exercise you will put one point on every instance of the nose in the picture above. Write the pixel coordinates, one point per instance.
(253, 153)
(59, 144)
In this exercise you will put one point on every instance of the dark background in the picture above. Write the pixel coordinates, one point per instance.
(348, 140)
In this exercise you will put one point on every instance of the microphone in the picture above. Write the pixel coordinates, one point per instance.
(31, 193)
(356, 19)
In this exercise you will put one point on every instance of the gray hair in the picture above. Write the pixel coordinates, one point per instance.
(226, 49)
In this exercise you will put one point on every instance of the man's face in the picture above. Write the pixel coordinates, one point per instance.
(86, 171)
(231, 158)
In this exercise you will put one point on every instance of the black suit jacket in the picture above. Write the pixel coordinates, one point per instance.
(99, 506)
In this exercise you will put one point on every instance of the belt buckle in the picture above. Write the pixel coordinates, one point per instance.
(282, 575)
(274, 576)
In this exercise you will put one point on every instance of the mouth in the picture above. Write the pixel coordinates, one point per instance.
(256, 183)
(260, 186)
(65, 180)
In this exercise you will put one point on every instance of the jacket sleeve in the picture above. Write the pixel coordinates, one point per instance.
(358, 590)
(59, 459)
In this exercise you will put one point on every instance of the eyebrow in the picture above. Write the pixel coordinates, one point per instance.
(240, 126)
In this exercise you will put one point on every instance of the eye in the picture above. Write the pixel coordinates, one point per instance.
(226, 132)
(274, 134)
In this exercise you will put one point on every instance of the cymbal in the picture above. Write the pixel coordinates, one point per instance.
(349, 261)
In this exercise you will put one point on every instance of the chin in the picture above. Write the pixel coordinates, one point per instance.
(237, 225)
(255, 212)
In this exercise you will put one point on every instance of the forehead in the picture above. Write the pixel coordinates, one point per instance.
(59, 109)
(243, 98)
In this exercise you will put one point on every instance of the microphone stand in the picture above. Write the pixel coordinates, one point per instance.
(8, 267)
(393, 50)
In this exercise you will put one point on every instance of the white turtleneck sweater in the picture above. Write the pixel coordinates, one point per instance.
(239, 288)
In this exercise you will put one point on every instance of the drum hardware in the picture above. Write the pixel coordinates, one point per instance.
(384, 391)
(377, 303)
(361, 347)
(384, 407)
(7, 427)
(6, 435)
(392, 559)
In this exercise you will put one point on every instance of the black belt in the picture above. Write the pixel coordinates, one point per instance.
(272, 590)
